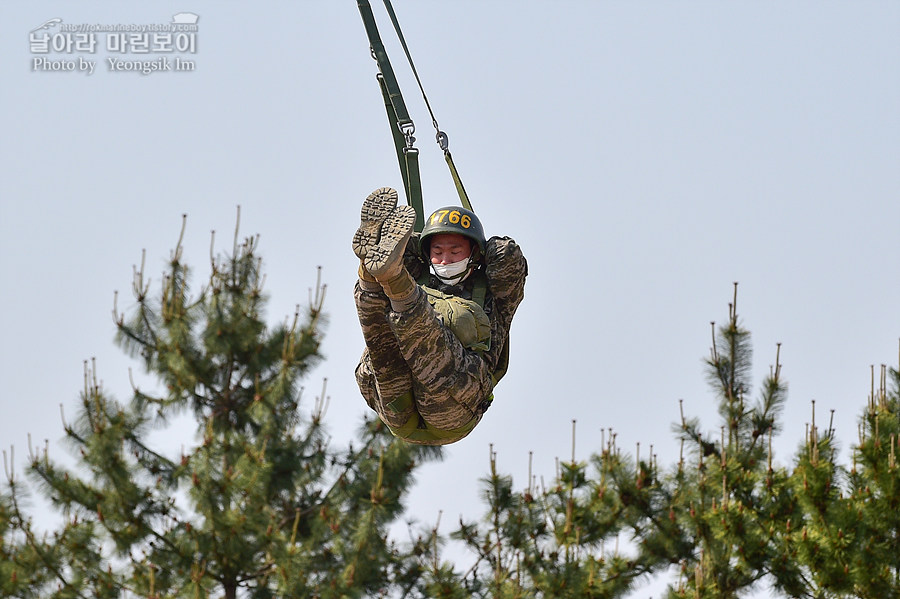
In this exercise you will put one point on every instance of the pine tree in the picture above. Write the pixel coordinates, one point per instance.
(561, 541)
(729, 500)
(22, 572)
(258, 506)
(726, 514)
(849, 539)
(812, 530)
(875, 493)
(819, 536)
(716, 514)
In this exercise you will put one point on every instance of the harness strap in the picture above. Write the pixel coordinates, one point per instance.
(440, 136)
(384, 64)
(408, 158)
(463, 196)
(396, 24)
(479, 289)
(479, 295)
(402, 126)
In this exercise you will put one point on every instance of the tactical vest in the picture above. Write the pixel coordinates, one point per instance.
(465, 318)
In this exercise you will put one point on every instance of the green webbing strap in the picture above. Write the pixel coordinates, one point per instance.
(463, 197)
(479, 294)
(399, 142)
(430, 435)
(441, 136)
(407, 157)
(414, 194)
(479, 289)
(402, 127)
(401, 404)
(384, 65)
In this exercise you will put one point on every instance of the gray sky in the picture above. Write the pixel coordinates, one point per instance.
(645, 155)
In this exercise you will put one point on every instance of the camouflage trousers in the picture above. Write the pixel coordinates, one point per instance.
(424, 385)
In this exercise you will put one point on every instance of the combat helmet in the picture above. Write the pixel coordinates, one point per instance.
(453, 219)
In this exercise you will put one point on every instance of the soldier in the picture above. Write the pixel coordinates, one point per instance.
(435, 350)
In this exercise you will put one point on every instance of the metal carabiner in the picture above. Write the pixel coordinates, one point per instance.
(407, 130)
(442, 140)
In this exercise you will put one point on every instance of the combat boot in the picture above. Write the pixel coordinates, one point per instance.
(380, 243)
(375, 209)
(385, 260)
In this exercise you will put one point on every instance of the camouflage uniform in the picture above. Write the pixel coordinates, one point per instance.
(416, 374)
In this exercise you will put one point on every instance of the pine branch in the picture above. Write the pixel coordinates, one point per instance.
(35, 546)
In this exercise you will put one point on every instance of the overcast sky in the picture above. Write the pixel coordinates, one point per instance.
(645, 155)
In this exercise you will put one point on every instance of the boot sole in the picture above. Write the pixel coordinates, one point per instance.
(375, 209)
(395, 233)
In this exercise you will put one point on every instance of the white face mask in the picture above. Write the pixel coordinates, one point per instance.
(451, 273)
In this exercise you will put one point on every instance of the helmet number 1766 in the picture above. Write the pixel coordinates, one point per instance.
(453, 217)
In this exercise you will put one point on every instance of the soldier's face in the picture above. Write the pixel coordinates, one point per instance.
(447, 248)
